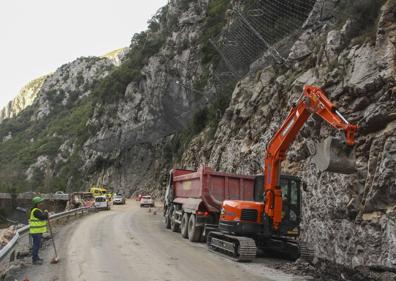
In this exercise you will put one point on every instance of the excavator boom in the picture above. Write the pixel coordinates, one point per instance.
(330, 156)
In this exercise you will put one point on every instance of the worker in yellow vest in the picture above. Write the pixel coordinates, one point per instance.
(37, 226)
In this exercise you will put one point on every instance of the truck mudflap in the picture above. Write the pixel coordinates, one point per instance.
(188, 203)
(236, 248)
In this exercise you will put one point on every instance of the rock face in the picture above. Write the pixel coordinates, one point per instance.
(25, 98)
(132, 133)
(92, 69)
(69, 83)
(117, 56)
(350, 219)
(6, 235)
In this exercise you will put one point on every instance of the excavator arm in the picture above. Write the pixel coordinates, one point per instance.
(312, 101)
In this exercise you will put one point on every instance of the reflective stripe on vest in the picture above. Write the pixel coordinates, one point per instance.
(35, 225)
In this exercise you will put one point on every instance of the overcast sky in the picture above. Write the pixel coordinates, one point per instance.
(38, 36)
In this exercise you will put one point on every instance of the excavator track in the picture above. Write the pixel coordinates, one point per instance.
(236, 248)
(307, 253)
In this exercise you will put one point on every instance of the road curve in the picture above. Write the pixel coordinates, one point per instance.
(129, 243)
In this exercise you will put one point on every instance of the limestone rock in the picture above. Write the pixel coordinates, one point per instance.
(6, 235)
(26, 97)
(334, 43)
(70, 82)
(117, 56)
(301, 48)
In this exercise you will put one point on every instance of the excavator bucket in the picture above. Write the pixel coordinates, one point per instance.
(333, 155)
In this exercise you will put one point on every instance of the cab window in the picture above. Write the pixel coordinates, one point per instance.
(294, 193)
(284, 184)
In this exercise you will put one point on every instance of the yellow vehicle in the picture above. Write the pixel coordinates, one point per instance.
(101, 191)
(98, 191)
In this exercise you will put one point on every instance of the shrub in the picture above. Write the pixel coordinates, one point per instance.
(214, 23)
(199, 121)
(80, 79)
(184, 5)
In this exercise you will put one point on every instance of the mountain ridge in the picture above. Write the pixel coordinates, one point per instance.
(30, 91)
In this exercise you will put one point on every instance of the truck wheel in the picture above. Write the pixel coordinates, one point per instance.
(167, 219)
(184, 225)
(174, 225)
(194, 231)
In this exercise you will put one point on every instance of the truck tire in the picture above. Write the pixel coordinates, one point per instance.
(167, 219)
(174, 225)
(184, 225)
(194, 231)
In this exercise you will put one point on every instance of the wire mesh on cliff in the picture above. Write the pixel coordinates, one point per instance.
(259, 26)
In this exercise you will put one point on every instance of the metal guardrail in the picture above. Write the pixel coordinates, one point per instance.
(29, 196)
(8, 254)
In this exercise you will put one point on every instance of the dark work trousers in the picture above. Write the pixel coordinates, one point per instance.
(36, 245)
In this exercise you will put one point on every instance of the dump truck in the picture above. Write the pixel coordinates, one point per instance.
(193, 199)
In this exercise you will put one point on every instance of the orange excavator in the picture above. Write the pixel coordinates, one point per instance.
(272, 221)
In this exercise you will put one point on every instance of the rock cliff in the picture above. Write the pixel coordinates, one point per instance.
(24, 99)
(127, 151)
(350, 219)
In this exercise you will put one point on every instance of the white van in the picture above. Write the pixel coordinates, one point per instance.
(101, 202)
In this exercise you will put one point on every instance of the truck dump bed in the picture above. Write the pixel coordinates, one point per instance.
(211, 188)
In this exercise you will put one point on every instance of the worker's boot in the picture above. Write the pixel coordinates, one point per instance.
(38, 262)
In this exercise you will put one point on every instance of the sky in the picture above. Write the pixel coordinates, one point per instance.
(38, 36)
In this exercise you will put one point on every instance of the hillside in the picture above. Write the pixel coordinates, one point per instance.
(25, 98)
(172, 101)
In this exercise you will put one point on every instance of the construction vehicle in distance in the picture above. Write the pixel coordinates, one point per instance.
(101, 191)
(273, 223)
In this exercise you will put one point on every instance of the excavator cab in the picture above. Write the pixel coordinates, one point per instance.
(291, 203)
(291, 206)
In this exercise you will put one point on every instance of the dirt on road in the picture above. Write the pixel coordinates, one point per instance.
(131, 243)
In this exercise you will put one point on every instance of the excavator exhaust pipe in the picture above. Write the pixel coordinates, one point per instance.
(333, 155)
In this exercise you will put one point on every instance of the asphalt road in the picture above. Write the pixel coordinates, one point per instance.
(129, 243)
